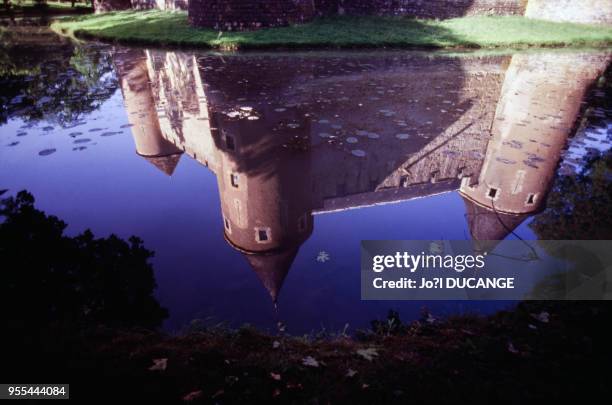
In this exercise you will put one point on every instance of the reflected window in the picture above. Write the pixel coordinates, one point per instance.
(531, 199)
(262, 235)
(229, 142)
(234, 180)
(492, 193)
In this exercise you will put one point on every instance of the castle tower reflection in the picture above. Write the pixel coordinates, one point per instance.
(289, 137)
(539, 103)
(140, 106)
(265, 193)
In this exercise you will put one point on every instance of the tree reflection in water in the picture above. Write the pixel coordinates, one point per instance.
(50, 279)
(46, 77)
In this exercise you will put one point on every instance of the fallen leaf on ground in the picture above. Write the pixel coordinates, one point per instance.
(351, 373)
(368, 353)
(275, 376)
(310, 361)
(512, 349)
(192, 396)
(159, 365)
(543, 316)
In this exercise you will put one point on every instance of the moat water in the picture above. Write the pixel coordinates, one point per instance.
(254, 177)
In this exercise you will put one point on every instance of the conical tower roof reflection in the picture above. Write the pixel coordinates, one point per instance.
(488, 227)
(166, 164)
(272, 269)
(487, 224)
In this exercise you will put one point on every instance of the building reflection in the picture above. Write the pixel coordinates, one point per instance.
(289, 137)
(536, 113)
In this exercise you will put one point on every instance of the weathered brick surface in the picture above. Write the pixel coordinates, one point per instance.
(580, 11)
(103, 6)
(160, 4)
(253, 14)
(248, 14)
(434, 8)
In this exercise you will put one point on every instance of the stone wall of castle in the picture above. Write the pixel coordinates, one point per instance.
(247, 14)
(236, 15)
(430, 8)
(579, 11)
(103, 6)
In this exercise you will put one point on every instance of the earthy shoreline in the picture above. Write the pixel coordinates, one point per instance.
(538, 351)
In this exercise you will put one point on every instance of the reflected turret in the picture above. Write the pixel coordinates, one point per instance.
(141, 111)
(265, 193)
(540, 101)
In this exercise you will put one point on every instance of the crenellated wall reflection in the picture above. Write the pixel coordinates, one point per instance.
(289, 136)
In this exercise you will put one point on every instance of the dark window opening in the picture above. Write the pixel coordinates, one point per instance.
(531, 199)
(262, 234)
(229, 142)
(234, 180)
(227, 224)
(492, 192)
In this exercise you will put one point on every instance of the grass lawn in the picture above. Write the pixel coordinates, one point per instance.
(167, 28)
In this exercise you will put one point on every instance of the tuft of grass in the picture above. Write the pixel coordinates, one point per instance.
(172, 28)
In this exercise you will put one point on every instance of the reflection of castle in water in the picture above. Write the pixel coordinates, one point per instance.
(291, 136)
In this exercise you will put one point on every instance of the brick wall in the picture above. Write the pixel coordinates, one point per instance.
(103, 6)
(253, 14)
(433, 8)
(579, 11)
(249, 14)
